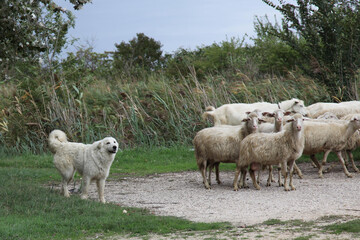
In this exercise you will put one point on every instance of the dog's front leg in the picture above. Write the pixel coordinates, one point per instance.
(85, 187)
(100, 186)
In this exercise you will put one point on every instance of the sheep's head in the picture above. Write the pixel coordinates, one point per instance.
(277, 114)
(252, 121)
(355, 120)
(299, 107)
(297, 122)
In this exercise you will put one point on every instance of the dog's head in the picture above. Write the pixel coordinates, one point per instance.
(109, 144)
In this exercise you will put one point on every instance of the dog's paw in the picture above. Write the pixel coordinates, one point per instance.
(84, 196)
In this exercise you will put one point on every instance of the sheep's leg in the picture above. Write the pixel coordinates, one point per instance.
(279, 176)
(314, 161)
(343, 164)
(326, 154)
(291, 169)
(237, 173)
(242, 181)
(346, 157)
(217, 173)
(270, 178)
(202, 168)
(284, 173)
(323, 163)
(298, 171)
(351, 156)
(258, 176)
(211, 166)
(252, 175)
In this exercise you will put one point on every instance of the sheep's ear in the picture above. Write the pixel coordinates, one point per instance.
(287, 113)
(99, 144)
(268, 114)
(290, 120)
(245, 119)
(355, 118)
(248, 113)
(261, 120)
(296, 102)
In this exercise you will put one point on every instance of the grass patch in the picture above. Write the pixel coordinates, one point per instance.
(304, 237)
(273, 222)
(348, 227)
(30, 211)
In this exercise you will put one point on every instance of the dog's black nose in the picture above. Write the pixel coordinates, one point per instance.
(114, 147)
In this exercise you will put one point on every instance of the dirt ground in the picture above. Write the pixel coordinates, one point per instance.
(183, 195)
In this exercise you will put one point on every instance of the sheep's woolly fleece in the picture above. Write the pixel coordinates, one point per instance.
(183, 195)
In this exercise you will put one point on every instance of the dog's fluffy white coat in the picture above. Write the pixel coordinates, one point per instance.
(92, 161)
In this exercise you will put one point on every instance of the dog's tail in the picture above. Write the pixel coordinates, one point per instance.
(56, 139)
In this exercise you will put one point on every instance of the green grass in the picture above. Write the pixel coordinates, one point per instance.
(349, 227)
(28, 210)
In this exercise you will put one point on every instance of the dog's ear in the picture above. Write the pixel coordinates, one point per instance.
(99, 144)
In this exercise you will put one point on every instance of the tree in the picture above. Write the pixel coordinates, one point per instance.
(326, 34)
(141, 52)
(29, 28)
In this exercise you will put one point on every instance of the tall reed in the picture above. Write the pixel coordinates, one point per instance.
(156, 110)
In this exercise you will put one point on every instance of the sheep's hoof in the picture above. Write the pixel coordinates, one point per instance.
(219, 182)
(293, 188)
(301, 176)
(349, 175)
(287, 189)
(356, 170)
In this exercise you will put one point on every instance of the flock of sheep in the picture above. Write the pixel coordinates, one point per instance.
(259, 135)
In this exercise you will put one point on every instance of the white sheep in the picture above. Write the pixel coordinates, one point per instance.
(329, 136)
(278, 116)
(232, 114)
(339, 109)
(272, 149)
(352, 143)
(221, 144)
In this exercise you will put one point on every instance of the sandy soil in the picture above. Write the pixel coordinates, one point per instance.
(183, 195)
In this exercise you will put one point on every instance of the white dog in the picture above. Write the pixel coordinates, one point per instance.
(92, 161)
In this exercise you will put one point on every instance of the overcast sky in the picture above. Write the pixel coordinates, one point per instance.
(175, 23)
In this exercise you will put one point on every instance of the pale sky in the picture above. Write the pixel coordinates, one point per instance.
(175, 23)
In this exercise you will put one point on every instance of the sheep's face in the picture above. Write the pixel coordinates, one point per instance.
(299, 107)
(252, 122)
(297, 122)
(356, 121)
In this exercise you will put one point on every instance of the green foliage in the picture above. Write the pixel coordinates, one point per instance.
(85, 65)
(350, 227)
(31, 27)
(218, 57)
(326, 35)
(271, 53)
(142, 52)
(153, 112)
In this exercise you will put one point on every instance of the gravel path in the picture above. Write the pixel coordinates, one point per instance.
(183, 195)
